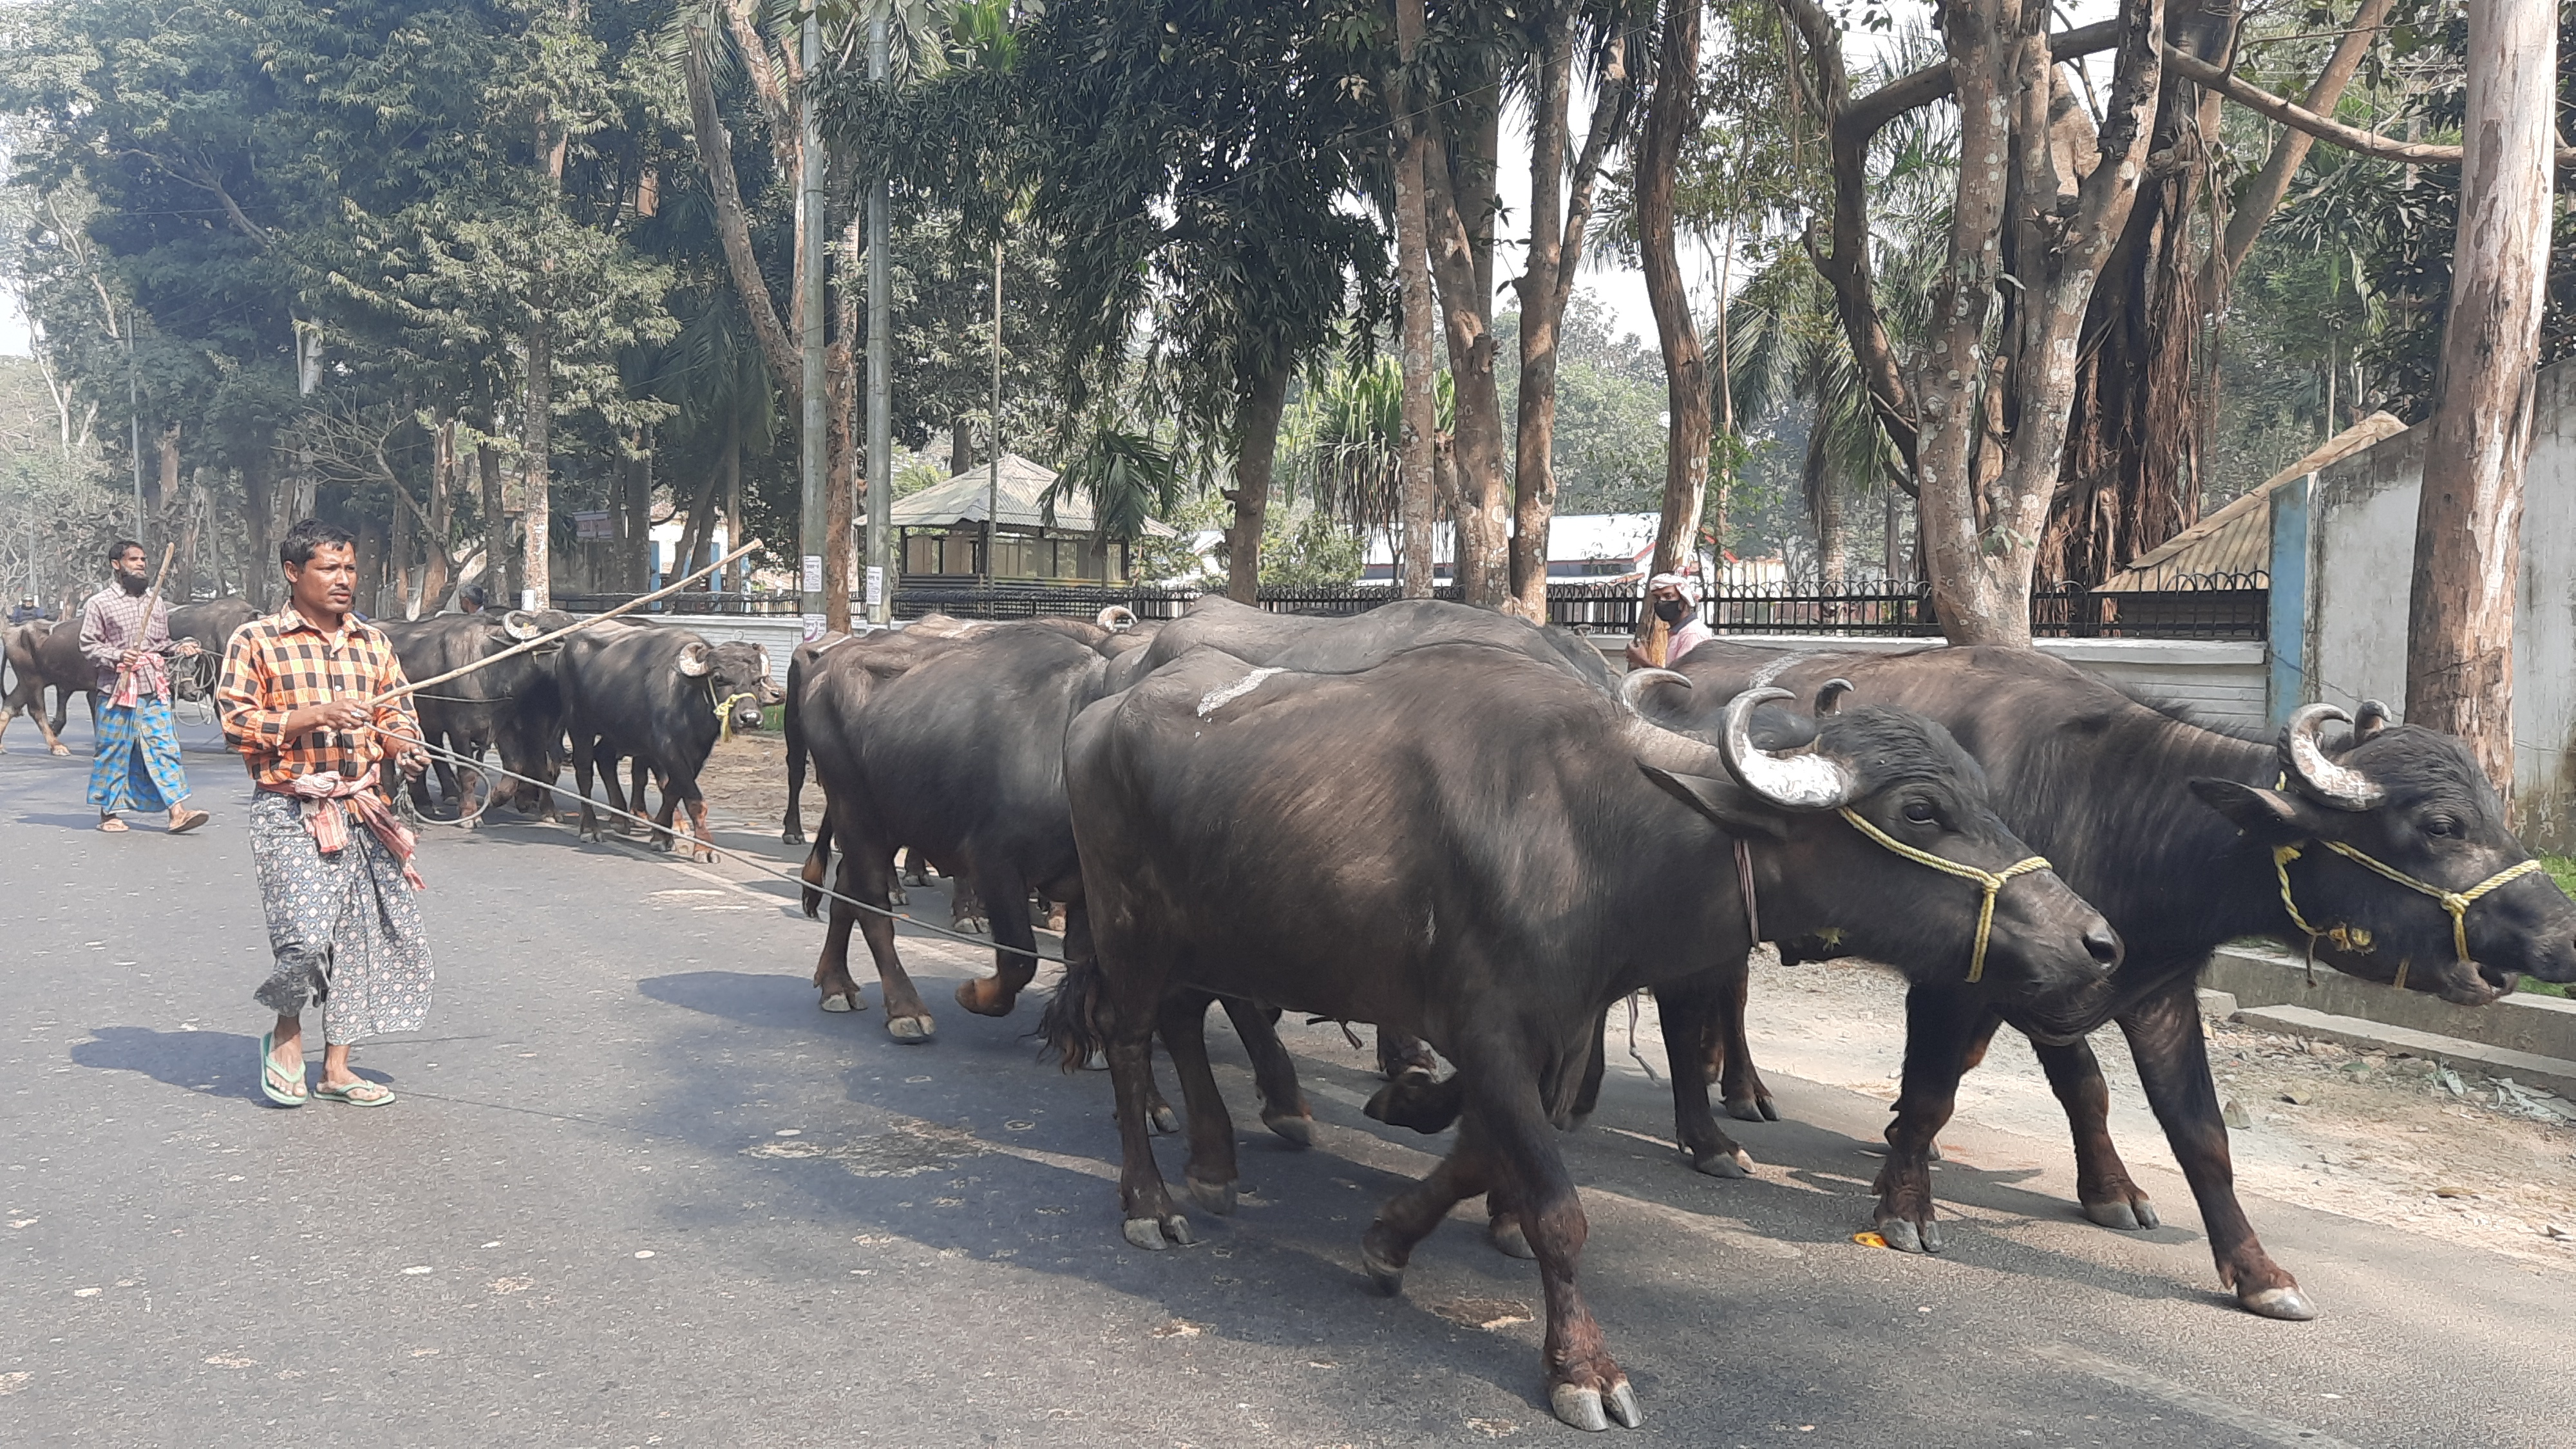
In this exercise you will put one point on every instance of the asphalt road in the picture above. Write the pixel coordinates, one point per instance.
(638, 1190)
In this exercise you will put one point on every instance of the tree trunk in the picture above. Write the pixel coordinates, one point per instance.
(183, 583)
(1476, 433)
(165, 485)
(1825, 505)
(261, 575)
(398, 565)
(841, 457)
(1534, 410)
(2263, 194)
(699, 530)
(1265, 398)
(733, 224)
(961, 445)
(496, 531)
(535, 438)
(1417, 501)
(733, 501)
(636, 504)
(1672, 114)
(2468, 522)
(435, 560)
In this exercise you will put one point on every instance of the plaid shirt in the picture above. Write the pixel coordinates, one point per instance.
(110, 623)
(284, 663)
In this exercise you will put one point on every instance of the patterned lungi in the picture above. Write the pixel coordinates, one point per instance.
(137, 765)
(344, 927)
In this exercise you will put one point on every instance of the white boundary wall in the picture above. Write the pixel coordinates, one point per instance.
(2361, 558)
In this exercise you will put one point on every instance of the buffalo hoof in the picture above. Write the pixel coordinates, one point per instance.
(2126, 1215)
(1907, 1236)
(849, 1000)
(1752, 1109)
(1216, 1197)
(1154, 1235)
(791, 837)
(1504, 1232)
(896, 897)
(1932, 1152)
(1725, 1164)
(1162, 1118)
(1584, 1408)
(911, 1028)
(1385, 1276)
(984, 996)
(1295, 1129)
(2285, 1302)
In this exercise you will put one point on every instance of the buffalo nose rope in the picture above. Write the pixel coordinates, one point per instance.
(1988, 881)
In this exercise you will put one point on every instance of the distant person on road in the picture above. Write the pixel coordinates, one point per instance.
(29, 611)
(137, 764)
(469, 599)
(335, 871)
(1673, 602)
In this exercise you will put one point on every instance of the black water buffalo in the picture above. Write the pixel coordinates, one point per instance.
(1480, 848)
(511, 706)
(42, 656)
(211, 623)
(2185, 837)
(875, 657)
(959, 755)
(661, 697)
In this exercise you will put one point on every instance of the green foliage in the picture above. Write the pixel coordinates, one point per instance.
(1609, 409)
(1128, 477)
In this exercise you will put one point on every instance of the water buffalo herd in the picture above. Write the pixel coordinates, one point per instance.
(1464, 829)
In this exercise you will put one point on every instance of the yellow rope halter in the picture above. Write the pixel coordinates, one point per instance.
(1988, 881)
(724, 714)
(2353, 938)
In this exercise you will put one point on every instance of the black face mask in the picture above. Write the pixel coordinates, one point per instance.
(1670, 610)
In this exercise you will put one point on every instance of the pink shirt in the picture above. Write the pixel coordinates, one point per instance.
(1687, 636)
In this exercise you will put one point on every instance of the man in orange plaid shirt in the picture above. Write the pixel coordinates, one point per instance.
(335, 871)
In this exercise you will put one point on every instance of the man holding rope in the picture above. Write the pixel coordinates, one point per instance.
(303, 697)
(125, 634)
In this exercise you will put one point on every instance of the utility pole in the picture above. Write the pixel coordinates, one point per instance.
(811, 462)
(993, 480)
(134, 416)
(881, 561)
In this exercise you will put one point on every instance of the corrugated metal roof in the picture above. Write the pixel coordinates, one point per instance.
(2237, 539)
(961, 501)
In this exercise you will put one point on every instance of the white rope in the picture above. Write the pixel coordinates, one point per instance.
(757, 863)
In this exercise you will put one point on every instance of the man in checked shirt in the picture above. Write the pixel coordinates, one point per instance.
(335, 871)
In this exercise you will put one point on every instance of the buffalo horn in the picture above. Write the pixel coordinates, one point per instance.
(1829, 696)
(521, 626)
(1667, 750)
(1116, 616)
(1794, 782)
(696, 658)
(2305, 759)
(2372, 718)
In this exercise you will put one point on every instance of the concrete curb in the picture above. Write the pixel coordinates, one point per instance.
(2540, 1026)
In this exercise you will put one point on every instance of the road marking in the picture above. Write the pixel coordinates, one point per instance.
(2216, 1410)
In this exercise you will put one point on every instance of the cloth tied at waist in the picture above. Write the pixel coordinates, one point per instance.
(147, 676)
(325, 800)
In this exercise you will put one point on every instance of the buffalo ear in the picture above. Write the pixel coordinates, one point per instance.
(1728, 805)
(2268, 816)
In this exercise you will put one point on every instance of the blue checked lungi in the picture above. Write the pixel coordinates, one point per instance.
(137, 766)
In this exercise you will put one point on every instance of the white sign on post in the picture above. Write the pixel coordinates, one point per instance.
(876, 588)
(813, 627)
(813, 573)
(528, 599)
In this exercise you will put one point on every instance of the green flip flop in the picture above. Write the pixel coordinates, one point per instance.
(273, 1078)
(358, 1094)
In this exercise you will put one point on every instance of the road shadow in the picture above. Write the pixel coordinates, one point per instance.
(208, 1063)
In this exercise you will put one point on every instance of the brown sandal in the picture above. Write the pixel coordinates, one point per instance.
(190, 821)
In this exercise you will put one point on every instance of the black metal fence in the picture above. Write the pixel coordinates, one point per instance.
(2217, 606)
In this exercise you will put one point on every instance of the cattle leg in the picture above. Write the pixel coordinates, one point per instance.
(1730, 1055)
(1133, 1001)
(1013, 941)
(1210, 1175)
(865, 875)
(1398, 1054)
(1946, 1031)
(1692, 1009)
(584, 757)
(1283, 1102)
(2102, 1182)
(2173, 1065)
(1405, 1219)
(1586, 1388)
(832, 968)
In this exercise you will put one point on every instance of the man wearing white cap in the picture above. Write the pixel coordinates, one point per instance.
(1675, 601)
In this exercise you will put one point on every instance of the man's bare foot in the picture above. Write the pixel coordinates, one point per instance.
(111, 824)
